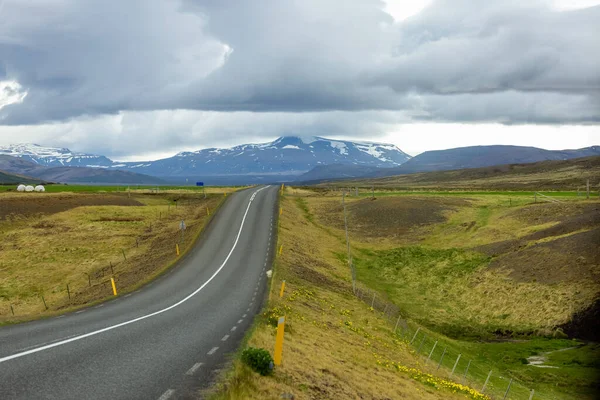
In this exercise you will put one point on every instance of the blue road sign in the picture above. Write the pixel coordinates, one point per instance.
(199, 183)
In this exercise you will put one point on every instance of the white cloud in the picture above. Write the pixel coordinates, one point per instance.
(11, 93)
(417, 138)
(574, 4)
(403, 9)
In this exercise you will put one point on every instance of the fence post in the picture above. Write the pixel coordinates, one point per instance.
(442, 358)
(44, 300)
(455, 364)
(431, 353)
(486, 382)
(12, 310)
(466, 371)
(123, 251)
(68, 292)
(531, 394)
(414, 337)
(422, 342)
(397, 322)
(373, 301)
(507, 389)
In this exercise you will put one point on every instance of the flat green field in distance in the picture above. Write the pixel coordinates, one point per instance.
(58, 188)
(494, 277)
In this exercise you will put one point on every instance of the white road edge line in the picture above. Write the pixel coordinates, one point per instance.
(193, 369)
(166, 395)
(143, 317)
(212, 351)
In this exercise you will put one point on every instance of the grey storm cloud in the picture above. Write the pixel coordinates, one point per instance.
(457, 60)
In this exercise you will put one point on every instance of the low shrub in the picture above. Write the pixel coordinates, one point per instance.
(259, 360)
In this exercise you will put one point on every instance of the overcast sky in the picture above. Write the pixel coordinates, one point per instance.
(147, 78)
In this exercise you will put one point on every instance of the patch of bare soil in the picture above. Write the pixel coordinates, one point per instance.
(569, 217)
(538, 214)
(30, 204)
(389, 216)
(571, 258)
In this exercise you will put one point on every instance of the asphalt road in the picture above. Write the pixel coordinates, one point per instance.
(164, 341)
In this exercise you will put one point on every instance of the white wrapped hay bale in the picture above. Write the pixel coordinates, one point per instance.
(21, 188)
(40, 188)
(29, 188)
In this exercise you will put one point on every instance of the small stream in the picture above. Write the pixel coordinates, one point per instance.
(540, 360)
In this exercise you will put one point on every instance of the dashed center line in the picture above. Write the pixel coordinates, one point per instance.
(212, 351)
(240, 321)
(234, 328)
(244, 316)
(225, 338)
(193, 369)
(166, 395)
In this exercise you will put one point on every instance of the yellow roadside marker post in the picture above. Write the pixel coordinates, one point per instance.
(282, 289)
(207, 211)
(177, 248)
(114, 287)
(279, 341)
(280, 210)
(280, 249)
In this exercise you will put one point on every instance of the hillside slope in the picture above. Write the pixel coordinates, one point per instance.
(6, 178)
(545, 175)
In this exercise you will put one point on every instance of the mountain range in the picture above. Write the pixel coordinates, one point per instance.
(281, 160)
(287, 159)
(21, 170)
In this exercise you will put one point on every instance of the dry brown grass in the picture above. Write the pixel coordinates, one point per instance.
(40, 255)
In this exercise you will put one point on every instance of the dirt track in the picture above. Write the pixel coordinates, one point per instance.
(29, 204)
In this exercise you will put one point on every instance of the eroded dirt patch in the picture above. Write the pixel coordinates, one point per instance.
(571, 258)
(389, 216)
(29, 204)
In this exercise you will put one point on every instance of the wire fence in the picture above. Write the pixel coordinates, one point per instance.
(442, 359)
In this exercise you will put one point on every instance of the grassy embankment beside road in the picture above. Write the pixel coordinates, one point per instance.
(484, 274)
(49, 240)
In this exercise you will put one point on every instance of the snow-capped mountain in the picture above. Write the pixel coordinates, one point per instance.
(287, 155)
(283, 158)
(55, 157)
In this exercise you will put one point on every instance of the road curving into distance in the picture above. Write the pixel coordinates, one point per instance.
(164, 341)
